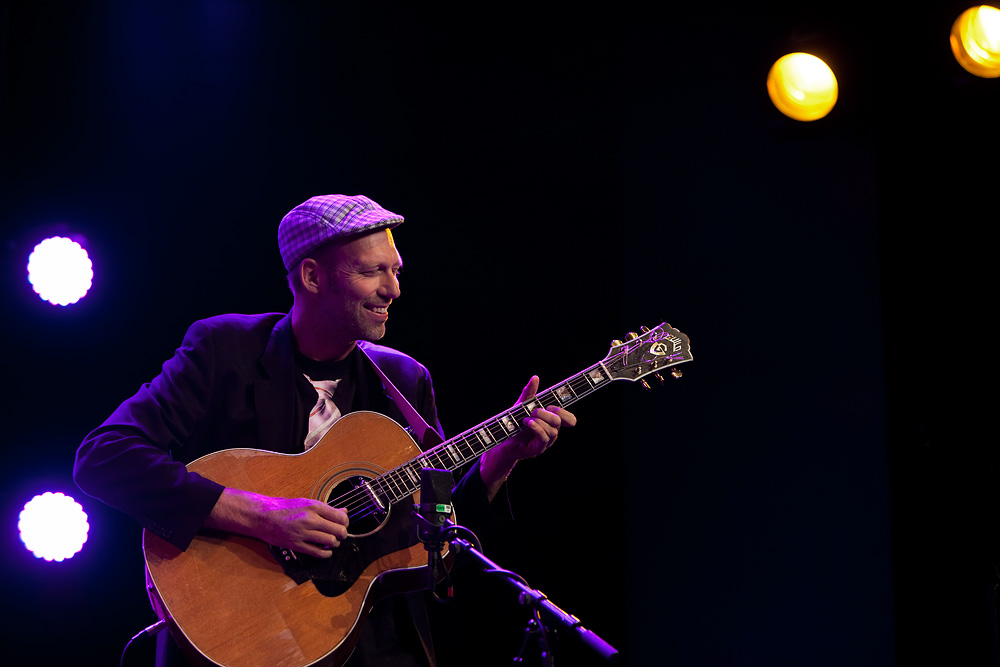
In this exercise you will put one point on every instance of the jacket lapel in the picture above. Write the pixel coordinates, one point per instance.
(278, 394)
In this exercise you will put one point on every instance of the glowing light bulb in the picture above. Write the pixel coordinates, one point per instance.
(975, 41)
(60, 271)
(802, 86)
(53, 526)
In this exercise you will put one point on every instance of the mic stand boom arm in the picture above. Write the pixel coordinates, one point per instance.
(536, 600)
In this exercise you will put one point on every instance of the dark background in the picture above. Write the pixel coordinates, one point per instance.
(815, 490)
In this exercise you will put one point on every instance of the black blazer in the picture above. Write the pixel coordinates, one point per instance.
(231, 383)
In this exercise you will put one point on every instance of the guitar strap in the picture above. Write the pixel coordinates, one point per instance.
(426, 435)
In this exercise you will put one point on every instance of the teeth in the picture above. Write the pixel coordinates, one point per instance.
(383, 309)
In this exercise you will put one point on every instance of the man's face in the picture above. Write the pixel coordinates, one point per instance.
(361, 282)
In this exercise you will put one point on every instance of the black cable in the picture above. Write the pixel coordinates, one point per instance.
(455, 528)
(143, 635)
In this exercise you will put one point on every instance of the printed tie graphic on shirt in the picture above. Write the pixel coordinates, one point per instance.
(325, 413)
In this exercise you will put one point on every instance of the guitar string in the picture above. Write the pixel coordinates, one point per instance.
(576, 383)
(439, 453)
(358, 499)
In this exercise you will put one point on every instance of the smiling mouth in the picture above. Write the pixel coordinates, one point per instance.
(378, 310)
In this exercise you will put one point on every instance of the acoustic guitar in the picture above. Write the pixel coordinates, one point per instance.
(236, 601)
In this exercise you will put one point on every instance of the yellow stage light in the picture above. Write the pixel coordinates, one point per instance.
(802, 86)
(975, 41)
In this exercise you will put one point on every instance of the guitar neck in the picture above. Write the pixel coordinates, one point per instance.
(655, 350)
(403, 481)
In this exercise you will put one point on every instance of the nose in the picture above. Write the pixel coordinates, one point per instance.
(390, 286)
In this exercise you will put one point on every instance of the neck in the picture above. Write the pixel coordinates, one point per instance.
(315, 343)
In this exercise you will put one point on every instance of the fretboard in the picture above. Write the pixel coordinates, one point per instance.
(403, 481)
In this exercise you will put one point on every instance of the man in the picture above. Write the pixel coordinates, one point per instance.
(278, 382)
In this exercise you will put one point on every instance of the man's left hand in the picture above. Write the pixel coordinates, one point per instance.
(543, 427)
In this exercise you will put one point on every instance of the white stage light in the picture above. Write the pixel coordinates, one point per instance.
(60, 271)
(53, 526)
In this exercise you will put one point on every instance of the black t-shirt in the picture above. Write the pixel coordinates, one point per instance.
(332, 370)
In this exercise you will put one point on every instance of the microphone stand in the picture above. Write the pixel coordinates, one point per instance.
(544, 609)
(433, 529)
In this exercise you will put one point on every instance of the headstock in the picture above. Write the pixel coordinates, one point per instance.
(654, 350)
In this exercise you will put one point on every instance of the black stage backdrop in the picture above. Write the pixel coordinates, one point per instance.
(815, 490)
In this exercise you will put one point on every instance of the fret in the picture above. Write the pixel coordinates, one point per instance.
(487, 438)
(497, 431)
(565, 394)
(466, 440)
(405, 480)
(431, 459)
(388, 488)
(596, 375)
(463, 455)
(393, 486)
(509, 424)
(549, 398)
(582, 384)
(405, 489)
(408, 470)
(394, 481)
(438, 459)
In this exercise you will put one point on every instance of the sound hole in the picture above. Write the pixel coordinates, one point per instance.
(366, 509)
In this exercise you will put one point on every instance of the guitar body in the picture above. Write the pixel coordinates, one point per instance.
(227, 598)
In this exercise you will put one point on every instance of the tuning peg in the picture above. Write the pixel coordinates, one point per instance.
(658, 377)
(677, 373)
(632, 335)
(644, 329)
(645, 384)
(615, 343)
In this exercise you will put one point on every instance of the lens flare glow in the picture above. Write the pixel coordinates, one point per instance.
(802, 86)
(53, 526)
(60, 271)
(975, 41)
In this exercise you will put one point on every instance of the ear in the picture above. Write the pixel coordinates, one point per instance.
(310, 275)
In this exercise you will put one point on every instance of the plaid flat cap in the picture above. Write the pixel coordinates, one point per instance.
(326, 218)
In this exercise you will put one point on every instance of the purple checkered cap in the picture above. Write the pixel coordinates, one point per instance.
(327, 218)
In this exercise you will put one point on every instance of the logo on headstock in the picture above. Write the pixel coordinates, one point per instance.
(664, 346)
(659, 349)
(640, 355)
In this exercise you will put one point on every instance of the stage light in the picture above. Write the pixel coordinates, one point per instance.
(60, 271)
(975, 41)
(802, 86)
(53, 526)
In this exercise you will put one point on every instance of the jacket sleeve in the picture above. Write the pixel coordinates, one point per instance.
(134, 460)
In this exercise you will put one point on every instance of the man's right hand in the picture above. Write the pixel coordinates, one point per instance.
(302, 524)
